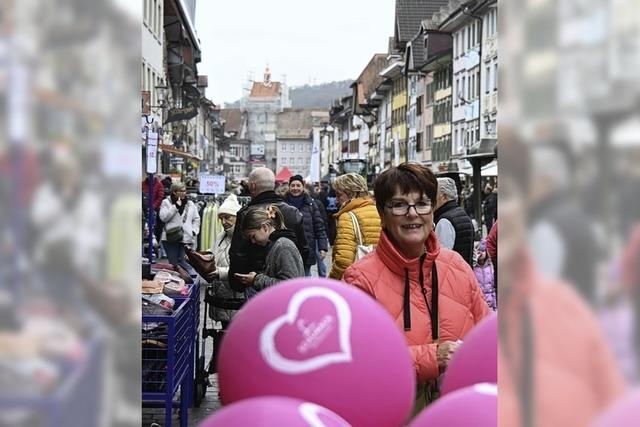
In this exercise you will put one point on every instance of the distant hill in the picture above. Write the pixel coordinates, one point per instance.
(318, 96)
(313, 96)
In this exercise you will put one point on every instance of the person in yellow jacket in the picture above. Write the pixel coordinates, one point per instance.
(353, 196)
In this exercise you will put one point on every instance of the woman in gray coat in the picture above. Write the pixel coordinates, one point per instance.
(265, 227)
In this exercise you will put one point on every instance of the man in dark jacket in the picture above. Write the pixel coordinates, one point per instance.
(314, 224)
(453, 226)
(245, 257)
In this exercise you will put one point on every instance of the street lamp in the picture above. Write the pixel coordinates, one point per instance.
(161, 91)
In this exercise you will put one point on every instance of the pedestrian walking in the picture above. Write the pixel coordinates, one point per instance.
(430, 291)
(266, 227)
(313, 224)
(353, 198)
(332, 207)
(454, 228)
(181, 224)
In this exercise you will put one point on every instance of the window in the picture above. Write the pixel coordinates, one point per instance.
(463, 88)
(455, 46)
(495, 76)
(464, 40)
(419, 106)
(300, 161)
(468, 30)
(308, 160)
(487, 80)
(473, 33)
(292, 161)
(419, 142)
(160, 20)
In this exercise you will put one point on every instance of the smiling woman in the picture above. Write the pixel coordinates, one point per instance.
(402, 274)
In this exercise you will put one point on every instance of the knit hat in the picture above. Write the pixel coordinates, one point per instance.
(229, 206)
(296, 178)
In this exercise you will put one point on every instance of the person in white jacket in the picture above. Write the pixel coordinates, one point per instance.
(220, 295)
(181, 224)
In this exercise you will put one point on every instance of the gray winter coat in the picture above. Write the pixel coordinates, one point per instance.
(283, 261)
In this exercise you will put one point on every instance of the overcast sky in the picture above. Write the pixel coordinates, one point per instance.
(308, 41)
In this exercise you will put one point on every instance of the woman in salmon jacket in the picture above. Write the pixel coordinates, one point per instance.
(430, 291)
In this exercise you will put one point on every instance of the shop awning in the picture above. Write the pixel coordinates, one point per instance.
(284, 175)
(490, 169)
(176, 152)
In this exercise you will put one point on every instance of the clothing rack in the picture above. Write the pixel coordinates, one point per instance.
(243, 200)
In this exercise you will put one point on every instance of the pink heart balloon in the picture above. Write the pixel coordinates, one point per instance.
(322, 341)
(475, 406)
(274, 411)
(476, 360)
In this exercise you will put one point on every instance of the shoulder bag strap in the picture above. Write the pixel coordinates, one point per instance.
(356, 228)
(435, 333)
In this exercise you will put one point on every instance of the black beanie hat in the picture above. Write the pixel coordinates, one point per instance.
(296, 178)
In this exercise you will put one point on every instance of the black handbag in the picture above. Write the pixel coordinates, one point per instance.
(175, 234)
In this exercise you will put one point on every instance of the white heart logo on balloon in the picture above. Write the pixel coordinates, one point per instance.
(311, 413)
(282, 364)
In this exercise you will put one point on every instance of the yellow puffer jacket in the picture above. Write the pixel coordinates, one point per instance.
(344, 247)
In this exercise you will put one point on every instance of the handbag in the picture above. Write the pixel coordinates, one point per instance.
(202, 262)
(184, 275)
(361, 249)
(175, 234)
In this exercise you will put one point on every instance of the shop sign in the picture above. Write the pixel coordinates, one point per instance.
(212, 184)
(184, 113)
(152, 152)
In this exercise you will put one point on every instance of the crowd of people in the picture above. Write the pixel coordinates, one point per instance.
(408, 243)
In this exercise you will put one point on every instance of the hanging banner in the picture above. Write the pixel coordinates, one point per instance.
(314, 170)
(212, 184)
(152, 152)
(184, 113)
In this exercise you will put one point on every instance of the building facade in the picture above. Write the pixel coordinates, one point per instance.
(262, 103)
(489, 82)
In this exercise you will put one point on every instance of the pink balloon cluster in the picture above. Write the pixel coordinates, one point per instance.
(320, 341)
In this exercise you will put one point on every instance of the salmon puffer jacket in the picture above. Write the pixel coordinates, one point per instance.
(385, 274)
(344, 247)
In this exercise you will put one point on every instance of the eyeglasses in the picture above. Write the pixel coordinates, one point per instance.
(400, 208)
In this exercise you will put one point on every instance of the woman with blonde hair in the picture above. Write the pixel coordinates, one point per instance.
(265, 227)
(356, 208)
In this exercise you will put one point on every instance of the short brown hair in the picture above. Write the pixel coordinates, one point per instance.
(406, 178)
